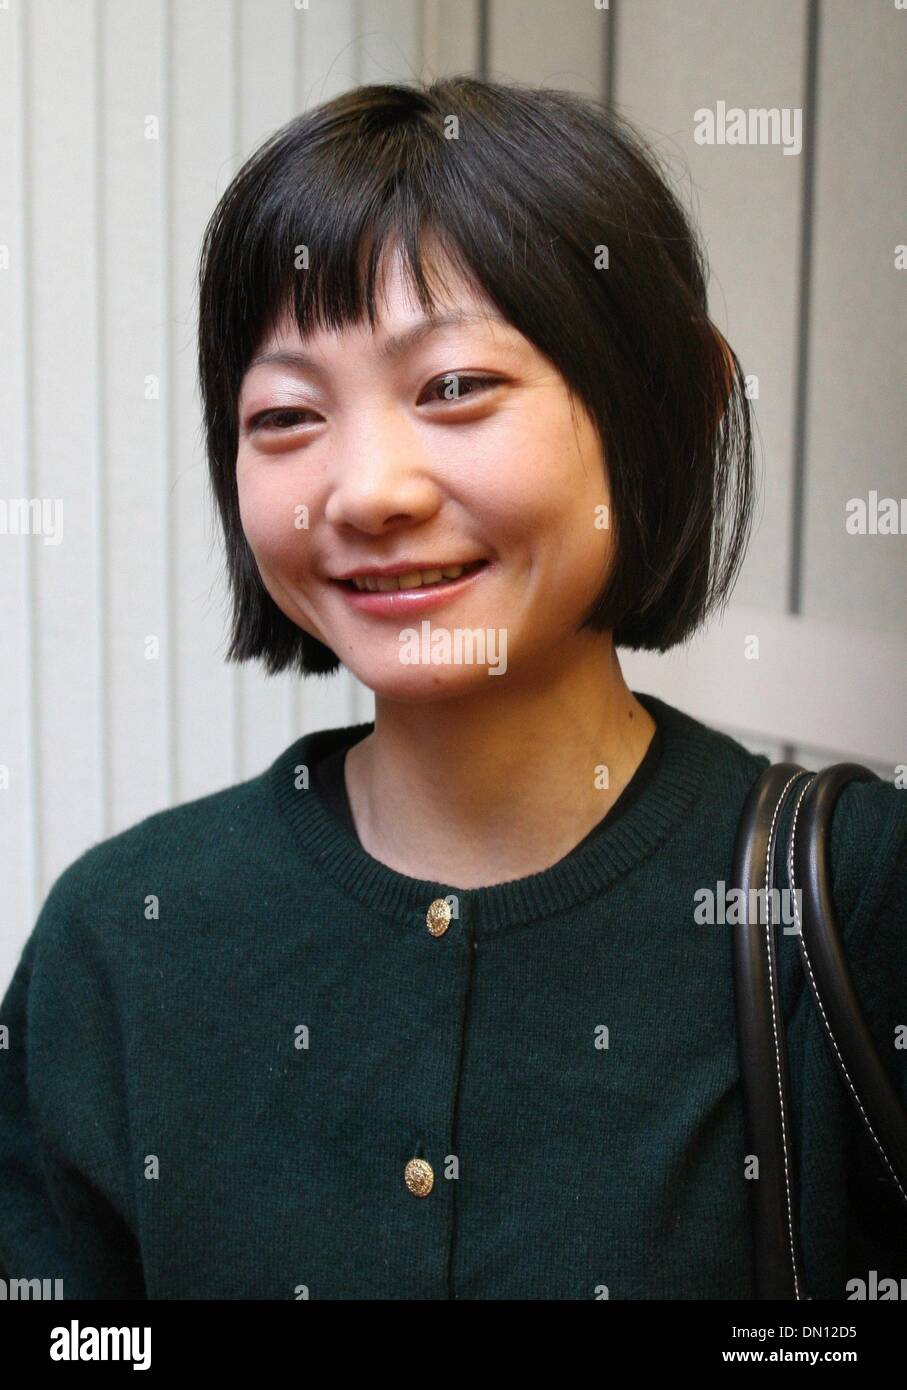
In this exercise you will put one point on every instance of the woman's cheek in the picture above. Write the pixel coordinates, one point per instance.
(269, 520)
(280, 551)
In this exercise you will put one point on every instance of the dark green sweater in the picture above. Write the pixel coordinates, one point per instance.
(231, 1031)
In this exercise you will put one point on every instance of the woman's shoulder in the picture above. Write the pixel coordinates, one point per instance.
(181, 834)
(869, 863)
(183, 854)
(869, 826)
(866, 812)
(191, 853)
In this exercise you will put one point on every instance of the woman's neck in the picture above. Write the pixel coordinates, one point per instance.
(495, 786)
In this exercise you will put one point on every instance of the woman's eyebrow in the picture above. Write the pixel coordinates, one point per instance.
(392, 347)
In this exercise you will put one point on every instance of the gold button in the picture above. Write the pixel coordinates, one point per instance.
(437, 918)
(419, 1177)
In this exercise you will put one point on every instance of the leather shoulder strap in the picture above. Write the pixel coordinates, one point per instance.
(827, 971)
(763, 1053)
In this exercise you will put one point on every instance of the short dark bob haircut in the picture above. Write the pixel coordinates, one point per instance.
(558, 210)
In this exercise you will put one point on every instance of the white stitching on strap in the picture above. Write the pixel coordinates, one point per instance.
(859, 1104)
(768, 927)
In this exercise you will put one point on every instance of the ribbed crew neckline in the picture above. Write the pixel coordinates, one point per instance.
(661, 804)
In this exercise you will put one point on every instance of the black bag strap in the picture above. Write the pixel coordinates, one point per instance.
(760, 1023)
(762, 1045)
(825, 963)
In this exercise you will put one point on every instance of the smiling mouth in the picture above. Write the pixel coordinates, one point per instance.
(415, 579)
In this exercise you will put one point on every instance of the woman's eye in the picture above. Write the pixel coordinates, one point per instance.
(455, 387)
(451, 387)
(280, 419)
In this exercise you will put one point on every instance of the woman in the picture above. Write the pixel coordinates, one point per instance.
(424, 1010)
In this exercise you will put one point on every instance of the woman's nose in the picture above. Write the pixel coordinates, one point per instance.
(380, 475)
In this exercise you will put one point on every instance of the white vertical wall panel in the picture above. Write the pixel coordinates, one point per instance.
(857, 417)
(549, 45)
(68, 623)
(674, 60)
(787, 678)
(450, 40)
(20, 871)
(133, 407)
(389, 40)
(327, 51)
(201, 127)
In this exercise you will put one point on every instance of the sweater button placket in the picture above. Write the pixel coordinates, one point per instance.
(418, 1174)
(430, 1143)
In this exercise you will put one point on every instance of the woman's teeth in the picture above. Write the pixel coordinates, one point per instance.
(416, 579)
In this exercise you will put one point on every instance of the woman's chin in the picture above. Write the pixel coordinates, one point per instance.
(422, 683)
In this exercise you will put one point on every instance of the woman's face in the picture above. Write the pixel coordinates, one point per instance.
(383, 450)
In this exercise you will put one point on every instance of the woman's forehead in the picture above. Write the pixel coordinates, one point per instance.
(400, 320)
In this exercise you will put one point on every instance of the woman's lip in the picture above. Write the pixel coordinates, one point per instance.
(397, 601)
